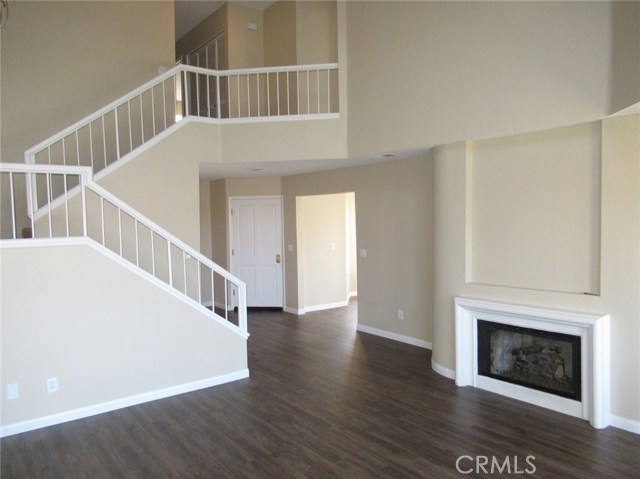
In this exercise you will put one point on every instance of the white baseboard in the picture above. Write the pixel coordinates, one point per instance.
(322, 307)
(446, 372)
(626, 424)
(615, 421)
(221, 306)
(395, 336)
(318, 307)
(353, 294)
(32, 424)
(297, 312)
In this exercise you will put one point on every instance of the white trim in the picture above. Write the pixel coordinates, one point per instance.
(353, 294)
(102, 111)
(221, 306)
(287, 68)
(395, 336)
(176, 70)
(593, 330)
(151, 142)
(446, 372)
(42, 242)
(442, 371)
(171, 290)
(625, 424)
(298, 312)
(270, 119)
(115, 404)
(322, 307)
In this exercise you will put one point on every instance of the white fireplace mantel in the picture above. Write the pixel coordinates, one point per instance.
(593, 330)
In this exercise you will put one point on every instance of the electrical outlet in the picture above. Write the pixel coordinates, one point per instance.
(13, 391)
(52, 385)
(400, 314)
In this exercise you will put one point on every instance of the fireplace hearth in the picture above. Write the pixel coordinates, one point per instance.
(541, 360)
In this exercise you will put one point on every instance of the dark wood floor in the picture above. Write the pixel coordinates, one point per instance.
(323, 402)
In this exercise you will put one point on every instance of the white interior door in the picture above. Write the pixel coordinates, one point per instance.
(256, 248)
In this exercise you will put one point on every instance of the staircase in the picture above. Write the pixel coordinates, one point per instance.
(64, 201)
(68, 204)
(54, 213)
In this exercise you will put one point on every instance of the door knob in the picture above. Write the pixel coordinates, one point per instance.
(278, 258)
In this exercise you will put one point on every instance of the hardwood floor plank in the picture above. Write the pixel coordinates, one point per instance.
(323, 401)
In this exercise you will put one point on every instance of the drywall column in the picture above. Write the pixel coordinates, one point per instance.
(449, 219)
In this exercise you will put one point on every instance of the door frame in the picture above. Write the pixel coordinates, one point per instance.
(230, 200)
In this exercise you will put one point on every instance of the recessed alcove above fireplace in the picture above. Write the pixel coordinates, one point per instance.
(551, 358)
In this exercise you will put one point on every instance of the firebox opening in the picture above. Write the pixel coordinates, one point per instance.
(541, 360)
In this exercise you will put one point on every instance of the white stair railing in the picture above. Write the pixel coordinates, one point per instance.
(98, 215)
(114, 131)
(256, 94)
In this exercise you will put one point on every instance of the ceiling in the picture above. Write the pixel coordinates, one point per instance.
(217, 171)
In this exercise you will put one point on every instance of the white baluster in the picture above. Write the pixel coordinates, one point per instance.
(91, 143)
(77, 147)
(66, 203)
(49, 200)
(13, 206)
(141, 120)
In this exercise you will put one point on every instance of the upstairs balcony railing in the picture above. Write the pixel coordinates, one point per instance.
(258, 94)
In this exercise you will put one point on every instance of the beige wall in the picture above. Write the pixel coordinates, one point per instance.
(300, 33)
(393, 207)
(219, 222)
(123, 336)
(305, 140)
(353, 244)
(211, 26)
(162, 182)
(280, 34)
(620, 256)
(246, 48)
(62, 61)
(534, 200)
(625, 64)
(428, 73)
(317, 36)
(256, 186)
(205, 219)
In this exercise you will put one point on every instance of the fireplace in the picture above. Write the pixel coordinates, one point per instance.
(537, 359)
(551, 358)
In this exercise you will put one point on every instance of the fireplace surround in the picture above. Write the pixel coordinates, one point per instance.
(540, 336)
